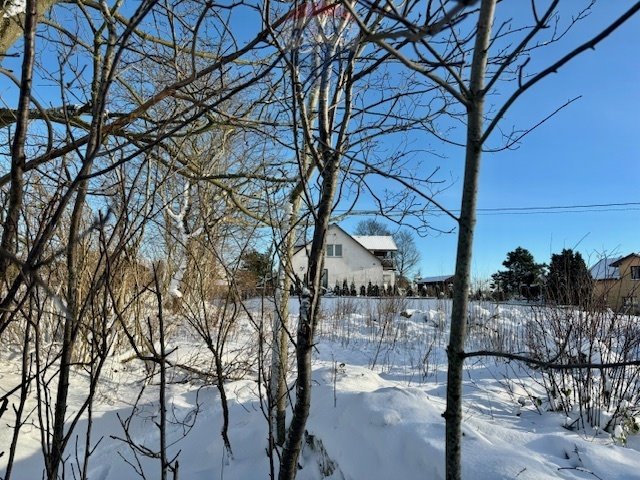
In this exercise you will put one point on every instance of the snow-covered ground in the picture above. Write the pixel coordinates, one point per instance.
(376, 413)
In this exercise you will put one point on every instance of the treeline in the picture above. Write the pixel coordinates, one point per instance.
(565, 280)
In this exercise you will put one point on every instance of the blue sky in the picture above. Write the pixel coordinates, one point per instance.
(587, 154)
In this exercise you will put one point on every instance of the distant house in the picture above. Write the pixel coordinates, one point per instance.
(436, 286)
(617, 282)
(356, 259)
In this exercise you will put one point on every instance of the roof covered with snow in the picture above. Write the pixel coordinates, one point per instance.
(376, 242)
(604, 270)
(440, 278)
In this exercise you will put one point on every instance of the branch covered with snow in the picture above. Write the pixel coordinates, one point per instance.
(13, 8)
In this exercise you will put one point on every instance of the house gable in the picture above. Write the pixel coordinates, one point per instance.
(340, 235)
(335, 235)
(617, 282)
(629, 259)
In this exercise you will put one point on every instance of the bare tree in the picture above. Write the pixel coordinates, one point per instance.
(334, 138)
(81, 158)
(371, 226)
(327, 143)
(158, 356)
(18, 158)
(468, 69)
(407, 258)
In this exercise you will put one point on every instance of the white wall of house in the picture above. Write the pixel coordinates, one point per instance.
(350, 262)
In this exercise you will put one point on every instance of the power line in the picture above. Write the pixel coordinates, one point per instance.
(530, 210)
(548, 212)
(558, 207)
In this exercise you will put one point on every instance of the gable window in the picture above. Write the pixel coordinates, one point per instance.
(635, 273)
(334, 250)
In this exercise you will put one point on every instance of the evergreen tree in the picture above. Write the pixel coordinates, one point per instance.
(255, 273)
(521, 275)
(569, 281)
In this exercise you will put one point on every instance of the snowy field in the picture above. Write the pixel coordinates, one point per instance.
(378, 396)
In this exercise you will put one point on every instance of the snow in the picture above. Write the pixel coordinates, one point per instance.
(376, 411)
(376, 242)
(179, 219)
(435, 317)
(14, 7)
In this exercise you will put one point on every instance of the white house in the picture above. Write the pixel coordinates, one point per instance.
(358, 259)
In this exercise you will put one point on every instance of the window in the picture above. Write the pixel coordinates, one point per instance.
(334, 250)
(329, 250)
(635, 273)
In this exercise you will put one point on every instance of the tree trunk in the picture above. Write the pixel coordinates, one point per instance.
(58, 441)
(9, 240)
(27, 358)
(223, 401)
(280, 357)
(11, 26)
(455, 351)
(162, 394)
(309, 308)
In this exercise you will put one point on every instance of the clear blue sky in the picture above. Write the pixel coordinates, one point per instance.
(587, 154)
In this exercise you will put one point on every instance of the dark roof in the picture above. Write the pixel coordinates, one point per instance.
(438, 279)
